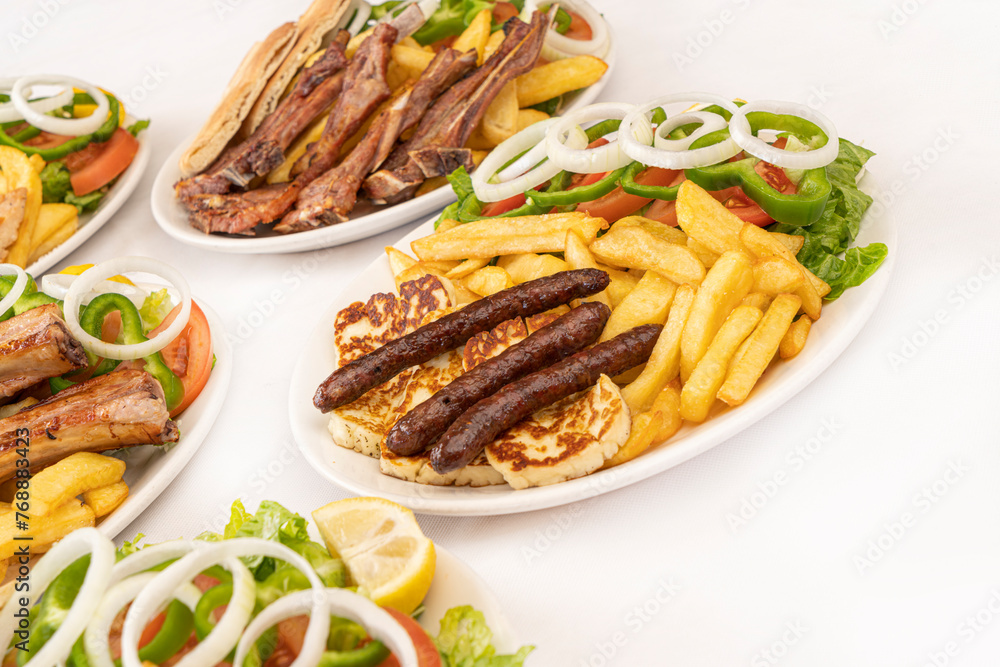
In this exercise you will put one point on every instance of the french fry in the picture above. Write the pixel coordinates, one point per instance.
(493, 43)
(500, 119)
(106, 499)
(396, 75)
(410, 58)
(399, 261)
(282, 173)
(356, 41)
(665, 232)
(668, 404)
(488, 280)
(698, 393)
(664, 362)
(578, 257)
(762, 244)
(13, 209)
(707, 256)
(20, 173)
(45, 531)
(634, 247)
(645, 427)
(757, 300)
(430, 185)
(793, 242)
(529, 266)
(476, 35)
(648, 303)
(707, 220)
(761, 347)
(486, 238)
(37, 162)
(795, 338)
(51, 217)
(56, 485)
(558, 77)
(467, 267)
(622, 282)
(409, 41)
(446, 224)
(527, 117)
(776, 275)
(724, 287)
(54, 240)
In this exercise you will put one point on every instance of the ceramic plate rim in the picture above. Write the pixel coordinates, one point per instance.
(174, 222)
(168, 466)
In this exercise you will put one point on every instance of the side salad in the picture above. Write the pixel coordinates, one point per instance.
(777, 165)
(262, 592)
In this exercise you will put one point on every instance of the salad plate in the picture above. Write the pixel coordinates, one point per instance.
(842, 320)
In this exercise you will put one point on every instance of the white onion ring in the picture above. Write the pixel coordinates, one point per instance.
(558, 46)
(67, 126)
(378, 623)
(525, 173)
(150, 557)
(57, 286)
(586, 160)
(710, 122)
(79, 543)
(20, 283)
(428, 7)
(92, 276)
(362, 11)
(636, 136)
(226, 633)
(161, 589)
(9, 113)
(739, 130)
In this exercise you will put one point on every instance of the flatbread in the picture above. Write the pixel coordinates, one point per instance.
(243, 90)
(319, 19)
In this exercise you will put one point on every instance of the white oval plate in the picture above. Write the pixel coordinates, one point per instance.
(150, 469)
(173, 219)
(91, 222)
(832, 333)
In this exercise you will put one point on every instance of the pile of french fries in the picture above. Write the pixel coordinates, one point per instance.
(73, 493)
(39, 227)
(730, 296)
(507, 114)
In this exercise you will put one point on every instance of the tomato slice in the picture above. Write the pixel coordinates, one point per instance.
(617, 204)
(106, 164)
(578, 27)
(427, 653)
(189, 356)
(500, 207)
(503, 11)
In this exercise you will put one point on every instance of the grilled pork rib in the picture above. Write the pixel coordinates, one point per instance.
(331, 197)
(435, 147)
(36, 346)
(119, 409)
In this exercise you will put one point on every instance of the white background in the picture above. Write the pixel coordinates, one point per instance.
(919, 83)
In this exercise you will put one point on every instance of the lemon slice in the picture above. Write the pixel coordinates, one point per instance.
(383, 548)
(77, 269)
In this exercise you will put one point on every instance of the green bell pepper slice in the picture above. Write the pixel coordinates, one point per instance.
(629, 185)
(804, 207)
(92, 320)
(171, 638)
(54, 606)
(562, 197)
(470, 208)
(102, 134)
(369, 655)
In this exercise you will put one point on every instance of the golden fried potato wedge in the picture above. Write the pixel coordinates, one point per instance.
(665, 232)
(634, 247)
(776, 275)
(468, 266)
(106, 499)
(499, 122)
(645, 427)
(648, 303)
(727, 282)
(762, 345)
(54, 486)
(698, 393)
(412, 59)
(707, 256)
(530, 266)
(622, 282)
(763, 244)
(558, 77)
(399, 261)
(793, 242)
(476, 35)
(707, 220)
(795, 338)
(578, 257)
(488, 280)
(668, 404)
(528, 117)
(757, 300)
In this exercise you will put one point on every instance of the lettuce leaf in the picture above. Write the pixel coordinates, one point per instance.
(138, 126)
(154, 309)
(55, 182)
(839, 225)
(466, 641)
(86, 203)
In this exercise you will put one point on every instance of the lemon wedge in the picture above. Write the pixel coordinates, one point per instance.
(77, 269)
(382, 547)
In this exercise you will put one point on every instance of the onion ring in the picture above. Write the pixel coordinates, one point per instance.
(8, 113)
(740, 131)
(20, 283)
(586, 160)
(558, 46)
(67, 126)
(92, 276)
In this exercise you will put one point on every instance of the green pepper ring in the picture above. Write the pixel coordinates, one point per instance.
(100, 136)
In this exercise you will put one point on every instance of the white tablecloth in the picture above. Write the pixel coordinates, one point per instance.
(879, 547)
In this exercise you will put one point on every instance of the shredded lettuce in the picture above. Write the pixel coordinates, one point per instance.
(466, 641)
(154, 309)
(86, 203)
(55, 183)
(839, 225)
(138, 126)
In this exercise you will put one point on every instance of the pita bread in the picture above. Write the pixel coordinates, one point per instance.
(319, 19)
(243, 90)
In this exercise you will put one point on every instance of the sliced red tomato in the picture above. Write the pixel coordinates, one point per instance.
(47, 140)
(427, 653)
(189, 356)
(503, 11)
(500, 207)
(578, 27)
(617, 204)
(152, 629)
(104, 166)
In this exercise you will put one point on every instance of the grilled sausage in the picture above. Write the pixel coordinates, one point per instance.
(351, 381)
(482, 423)
(569, 334)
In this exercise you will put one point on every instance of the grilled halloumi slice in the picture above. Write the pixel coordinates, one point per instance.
(568, 439)
(361, 328)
